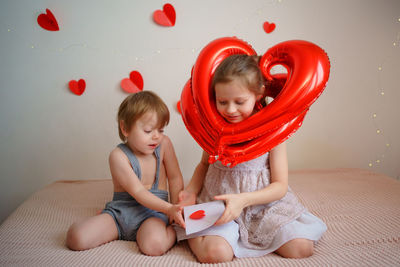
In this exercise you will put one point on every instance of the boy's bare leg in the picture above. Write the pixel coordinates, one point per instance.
(92, 232)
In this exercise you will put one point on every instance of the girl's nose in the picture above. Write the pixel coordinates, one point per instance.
(231, 108)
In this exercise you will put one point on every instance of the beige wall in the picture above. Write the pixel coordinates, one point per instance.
(47, 133)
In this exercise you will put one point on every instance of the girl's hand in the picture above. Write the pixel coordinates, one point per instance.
(175, 215)
(234, 204)
(186, 198)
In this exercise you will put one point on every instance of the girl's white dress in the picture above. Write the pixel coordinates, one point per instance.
(260, 229)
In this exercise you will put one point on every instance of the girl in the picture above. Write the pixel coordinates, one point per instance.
(139, 167)
(261, 215)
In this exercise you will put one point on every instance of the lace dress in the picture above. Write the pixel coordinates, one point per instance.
(260, 229)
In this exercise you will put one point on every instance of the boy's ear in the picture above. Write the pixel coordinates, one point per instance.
(123, 128)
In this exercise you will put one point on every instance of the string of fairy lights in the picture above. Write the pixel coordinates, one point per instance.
(381, 92)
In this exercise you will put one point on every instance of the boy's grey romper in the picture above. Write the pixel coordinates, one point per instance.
(128, 214)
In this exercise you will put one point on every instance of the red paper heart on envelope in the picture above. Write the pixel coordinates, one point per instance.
(197, 215)
(77, 87)
(232, 143)
(133, 84)
(269, 27)
(165, 17)
(48, 21)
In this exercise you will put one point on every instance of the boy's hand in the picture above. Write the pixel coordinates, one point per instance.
(186, 198)
(234, 205)
(175, 215)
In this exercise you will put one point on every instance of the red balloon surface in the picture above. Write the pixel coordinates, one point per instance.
(307, 68)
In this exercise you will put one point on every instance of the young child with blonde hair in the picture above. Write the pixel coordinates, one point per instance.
(143, 167)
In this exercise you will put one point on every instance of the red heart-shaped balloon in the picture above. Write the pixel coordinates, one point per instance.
(269, 27)
(165, 17)
(77, 87)
(308, 71)
(197, 215)
(48, 21)
(134, 83)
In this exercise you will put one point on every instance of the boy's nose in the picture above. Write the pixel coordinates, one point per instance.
(156, 135)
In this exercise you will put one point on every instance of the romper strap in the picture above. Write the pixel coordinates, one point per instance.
(132, 159)
(136, 166)
(157, 154)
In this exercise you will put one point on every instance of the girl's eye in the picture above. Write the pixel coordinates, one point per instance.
(161, 130)
(222, 102)
(146, 131)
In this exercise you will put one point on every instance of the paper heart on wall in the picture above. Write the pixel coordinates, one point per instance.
(133, 84)
(165, 17)
(77, 87)
(48, 21)
(269, 27)
(308, 72)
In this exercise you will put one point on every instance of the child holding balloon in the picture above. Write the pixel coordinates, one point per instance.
(262, 215)
(140, 168)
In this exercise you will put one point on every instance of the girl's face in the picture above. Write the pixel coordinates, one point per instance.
(145, 134)
(235, 102)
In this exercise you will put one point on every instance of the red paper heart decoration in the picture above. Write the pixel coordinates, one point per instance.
(269, 27)
(165, 17)
(48, 21)
(308, 72)
(77, 87)
(178, 107)
(197, 215)
(133, 84)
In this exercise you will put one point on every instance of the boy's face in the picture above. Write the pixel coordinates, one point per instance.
(145, 134)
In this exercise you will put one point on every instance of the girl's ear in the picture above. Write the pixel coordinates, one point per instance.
(123, 128)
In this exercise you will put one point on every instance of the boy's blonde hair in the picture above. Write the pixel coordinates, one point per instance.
(136, 105)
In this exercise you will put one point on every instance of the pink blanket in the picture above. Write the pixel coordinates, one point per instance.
(360, 208)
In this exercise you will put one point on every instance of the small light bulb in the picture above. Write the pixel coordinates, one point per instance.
(382, 93)
(378, 131)
(378, 161)
(370, 164)
(379, 68)
(374, 115)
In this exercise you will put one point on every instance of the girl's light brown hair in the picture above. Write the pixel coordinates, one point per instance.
(136, 105)
(242, 67)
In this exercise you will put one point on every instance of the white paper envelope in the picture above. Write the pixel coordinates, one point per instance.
(212, 210)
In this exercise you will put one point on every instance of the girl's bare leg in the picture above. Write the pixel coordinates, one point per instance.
(211, 249)
(154, 238)
(92, 232)
(296, 248)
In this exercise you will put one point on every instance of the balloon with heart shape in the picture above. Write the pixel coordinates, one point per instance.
(307, 68)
